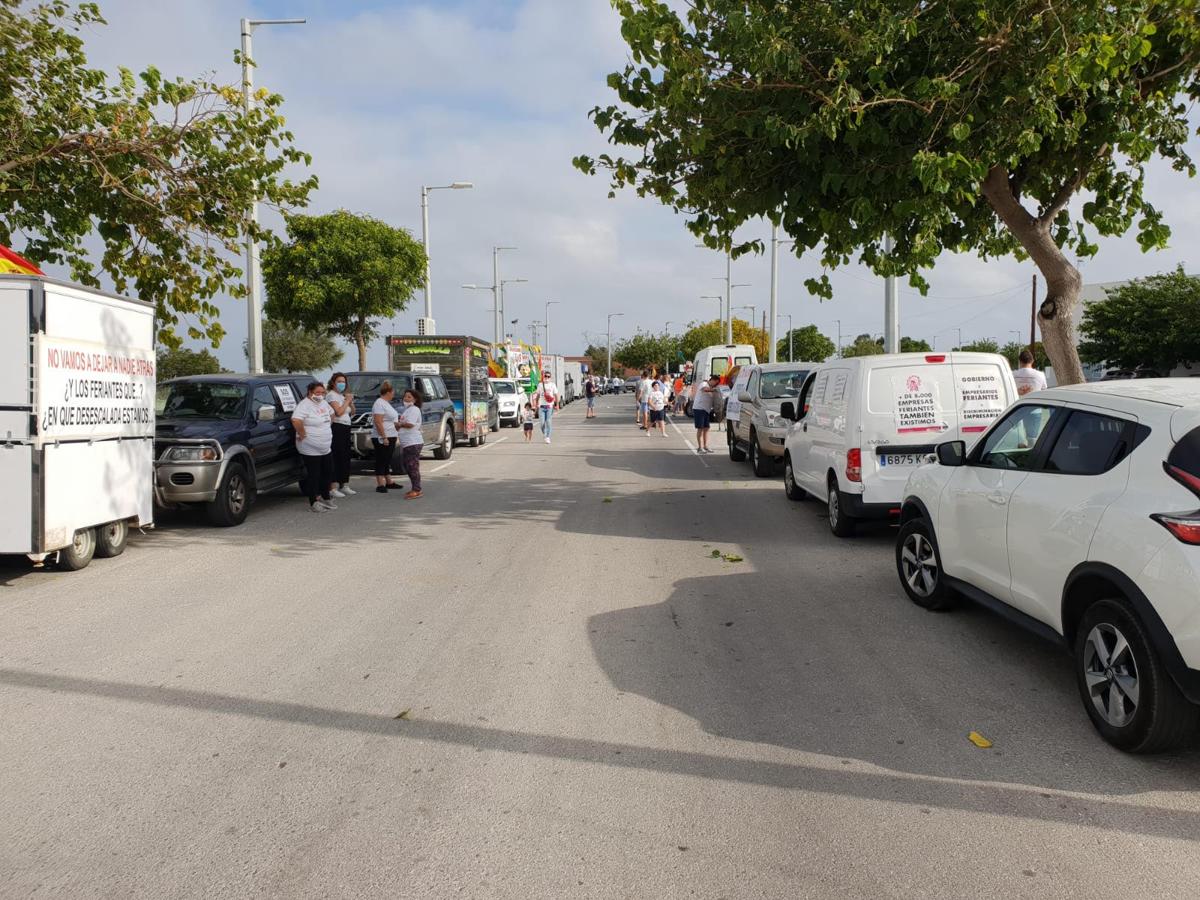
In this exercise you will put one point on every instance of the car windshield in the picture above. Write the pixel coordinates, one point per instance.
(201, 400)
(504, 387)
(365, 385)
(782, 385)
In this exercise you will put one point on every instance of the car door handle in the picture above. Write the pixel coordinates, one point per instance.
(804, 428)
(998, 498)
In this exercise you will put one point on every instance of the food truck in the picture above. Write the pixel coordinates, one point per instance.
(462, 361)
(77, 383)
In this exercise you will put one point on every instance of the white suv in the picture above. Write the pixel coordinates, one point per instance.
(1076, 514)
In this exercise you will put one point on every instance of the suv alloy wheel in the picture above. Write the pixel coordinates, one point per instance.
(761, 465)
(231, 504)
(920, 566)
(1127, 692)
(736, 453)
(446, 447)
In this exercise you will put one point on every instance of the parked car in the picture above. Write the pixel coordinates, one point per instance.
(437, 409)
(1076, 516)
(510, 400)
(631, 384)
(220, 440)
(755, 427)
(861, 425)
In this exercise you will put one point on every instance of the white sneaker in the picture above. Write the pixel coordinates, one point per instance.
(348, 491)
(336, 493)
(547, 440)
(327, 504)
(318, 507)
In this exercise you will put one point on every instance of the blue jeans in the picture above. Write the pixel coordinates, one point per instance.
(547, 413)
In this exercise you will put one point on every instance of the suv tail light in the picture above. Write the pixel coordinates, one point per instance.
(1185, 526)
(854, 465)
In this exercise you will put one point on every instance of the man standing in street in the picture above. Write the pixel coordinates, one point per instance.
(702, 407)
(642, 394)
(544, 399)
(1028, 378)
(589, 389)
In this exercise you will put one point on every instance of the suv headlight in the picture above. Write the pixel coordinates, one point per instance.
(772, 420)
(191, 454)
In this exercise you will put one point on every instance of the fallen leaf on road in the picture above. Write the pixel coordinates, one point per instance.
(403, 714)
(607, 500)
(732, 557)
(979, 740)
(716, 554)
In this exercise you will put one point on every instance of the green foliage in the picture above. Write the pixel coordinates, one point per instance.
(865, 345)
(706, 334)
(174, 362)
(984, 345)
(598, 356)
(806, 344)
(913, 345)
(1151, 322)
(964, 125)
(342, 274)
(1012, 352)
(163, 171)
(645, 351)
(291, 348)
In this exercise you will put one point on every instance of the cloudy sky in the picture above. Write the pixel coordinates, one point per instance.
(388, 96)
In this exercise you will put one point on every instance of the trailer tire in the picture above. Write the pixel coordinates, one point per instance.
(79, 552)
(232, 502)
(111, 539)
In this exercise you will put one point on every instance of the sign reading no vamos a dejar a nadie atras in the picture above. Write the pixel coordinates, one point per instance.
(93, 391)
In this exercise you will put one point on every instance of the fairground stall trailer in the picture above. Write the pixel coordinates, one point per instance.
(77, 393)
(462, 361)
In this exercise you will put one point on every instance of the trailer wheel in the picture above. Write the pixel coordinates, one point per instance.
(77, 554)
(111, 539)
(232, 502)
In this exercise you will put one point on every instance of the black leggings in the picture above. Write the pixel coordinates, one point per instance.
(318, 472)
(383, 455)
(341, 453)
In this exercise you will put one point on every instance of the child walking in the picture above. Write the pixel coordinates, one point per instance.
(527, 420)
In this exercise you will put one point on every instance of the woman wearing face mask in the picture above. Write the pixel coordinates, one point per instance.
(312, 420)
(408, 429)
(383, 437)
(342, 403)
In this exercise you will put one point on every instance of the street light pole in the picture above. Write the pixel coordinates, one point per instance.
(503, 282)
(788, 316)
(611, 316)
(254, 345)
(891, 306)
(549, 303)
(427, 325)
(839, 347)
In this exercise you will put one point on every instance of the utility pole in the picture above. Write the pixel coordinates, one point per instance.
(891, 306)
(611, 316)
(728, 297)
(773, 352)
(839, 325)
(1033, 321)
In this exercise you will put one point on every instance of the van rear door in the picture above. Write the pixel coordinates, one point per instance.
(983, 389)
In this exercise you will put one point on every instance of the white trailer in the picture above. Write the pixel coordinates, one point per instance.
(575, 374)
(76, 419)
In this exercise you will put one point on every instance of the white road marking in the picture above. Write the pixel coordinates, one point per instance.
(494, 443)
(691, 446)
(444, 466)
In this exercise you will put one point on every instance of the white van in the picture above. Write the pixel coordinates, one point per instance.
(718, 360)
(861, 425)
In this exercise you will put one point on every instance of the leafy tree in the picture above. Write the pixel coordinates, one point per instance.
(645, 351)
(598, 356)
(162, 171)
(865, 345)
(1151, 322)
(805, 343)
(342, 274)
(984, 345)
(962, 125)
(175, 362)
(291, 348)
(914, 345)
(706, 334)
(1012, 352)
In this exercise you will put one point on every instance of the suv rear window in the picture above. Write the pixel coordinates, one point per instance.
(1089, 444)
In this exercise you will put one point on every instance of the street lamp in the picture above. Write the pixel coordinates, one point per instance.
(1020, 334)
(254, 346)
(426, 325)
(721, 301)
(787, 316)
(753, 313)
(500, 312)
(549, 303)
(533, 330)
(612, 316)
(776, 243)
(839, 325)
(482, 287)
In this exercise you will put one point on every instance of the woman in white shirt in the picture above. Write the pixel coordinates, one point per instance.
(408, 429)
(312, 419)
(383, 437)
(342, 403)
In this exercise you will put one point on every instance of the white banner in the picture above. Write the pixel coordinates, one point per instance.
(88, 390)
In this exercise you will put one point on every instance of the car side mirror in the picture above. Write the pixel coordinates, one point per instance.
(744, 397)
(266, 414)
(787, 410)
(952, 453)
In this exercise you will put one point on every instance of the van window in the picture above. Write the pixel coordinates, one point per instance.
(752, 384)
(817, 395)
(1013, 443)
(742, 361)
(720, 365)
(837, 387)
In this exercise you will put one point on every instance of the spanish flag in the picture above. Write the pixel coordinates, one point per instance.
(13, 264)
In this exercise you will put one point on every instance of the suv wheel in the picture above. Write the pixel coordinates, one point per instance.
(793, 490)
(1125, 689)
(763, 466)
(736, 453)
(232, 502)
(111, 539)
(841, 523)
(446, 445)
(919, 565)
(79, 552)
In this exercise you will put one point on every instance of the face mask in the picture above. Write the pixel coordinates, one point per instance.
(318, 398)
(341, 385)
(408, 403)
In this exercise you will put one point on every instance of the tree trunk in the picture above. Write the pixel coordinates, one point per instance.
(1063, 281)
(360, 339)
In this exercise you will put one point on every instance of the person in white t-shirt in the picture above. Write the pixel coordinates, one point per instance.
(1028, 378)
(702, 409)
(312, 418)
(545, 398)
(342, 403)
(656, 400)
(383, 437)
(412, 442)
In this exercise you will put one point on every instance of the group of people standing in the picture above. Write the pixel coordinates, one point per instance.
(322, 421)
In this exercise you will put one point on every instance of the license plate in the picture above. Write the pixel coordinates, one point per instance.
(901, 459)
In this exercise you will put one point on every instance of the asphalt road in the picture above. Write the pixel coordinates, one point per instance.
(536, 681)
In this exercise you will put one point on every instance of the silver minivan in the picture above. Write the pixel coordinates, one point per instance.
(754, 427)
